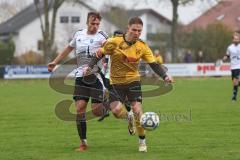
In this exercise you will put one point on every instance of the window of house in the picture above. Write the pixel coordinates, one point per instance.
(40, 45)
(64, 19)
(4, 39)
(149, 28)
(75, 19)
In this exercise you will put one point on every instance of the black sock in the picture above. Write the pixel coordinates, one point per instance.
(81, 126)
(235, 91)
(141, 137)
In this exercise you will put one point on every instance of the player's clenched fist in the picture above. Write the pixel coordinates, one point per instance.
(51, 66)
(168, 79)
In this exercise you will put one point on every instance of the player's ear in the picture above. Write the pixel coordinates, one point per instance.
(128, 27)
(87, 22)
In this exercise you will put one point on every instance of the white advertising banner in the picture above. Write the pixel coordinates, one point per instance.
(176, 70)
(22, 72)
(198, 69)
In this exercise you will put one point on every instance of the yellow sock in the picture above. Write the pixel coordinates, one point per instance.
(123, 113)
(140, 130)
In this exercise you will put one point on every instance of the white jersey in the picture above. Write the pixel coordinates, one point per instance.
(85, 46)
(233, 51)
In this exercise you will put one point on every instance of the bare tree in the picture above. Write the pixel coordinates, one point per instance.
(175, 5)
(47, 28)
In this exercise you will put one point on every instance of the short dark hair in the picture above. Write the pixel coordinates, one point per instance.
(135, 20)
(118, 32)
(95, 15)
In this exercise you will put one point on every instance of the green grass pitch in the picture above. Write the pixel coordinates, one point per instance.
(199, 122)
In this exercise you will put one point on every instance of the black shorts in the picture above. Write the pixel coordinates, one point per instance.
(107, 84)
(86, 87)
(235, 73)
(132, 92)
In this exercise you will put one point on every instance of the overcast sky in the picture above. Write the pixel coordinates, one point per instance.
(187, 13)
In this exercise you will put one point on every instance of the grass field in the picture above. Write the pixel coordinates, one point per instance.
(199, 122)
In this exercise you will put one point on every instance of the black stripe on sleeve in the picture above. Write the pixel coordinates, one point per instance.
(103, 34)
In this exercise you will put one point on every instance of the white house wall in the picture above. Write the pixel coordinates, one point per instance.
(164, 28)
(157, 25)
(30, 34)
(65, 31)
(144, 30)
(108, 27)
(27, 37)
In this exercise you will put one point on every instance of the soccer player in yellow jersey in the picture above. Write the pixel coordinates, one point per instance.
(125, 52)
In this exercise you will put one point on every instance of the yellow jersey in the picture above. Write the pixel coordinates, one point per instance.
(125, 58)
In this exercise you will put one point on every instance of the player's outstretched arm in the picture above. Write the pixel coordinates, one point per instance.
(161, 71)
(60, 57)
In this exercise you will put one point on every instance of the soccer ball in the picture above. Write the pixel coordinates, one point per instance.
(149, 121)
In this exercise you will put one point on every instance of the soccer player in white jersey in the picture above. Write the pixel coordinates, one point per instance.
(85, 42)
(233, 53)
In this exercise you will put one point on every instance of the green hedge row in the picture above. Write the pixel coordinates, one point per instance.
(6, 52)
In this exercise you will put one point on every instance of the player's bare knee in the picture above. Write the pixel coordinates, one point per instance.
(81, 107)
(137, 108)
(97, 110)
(116, 111)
